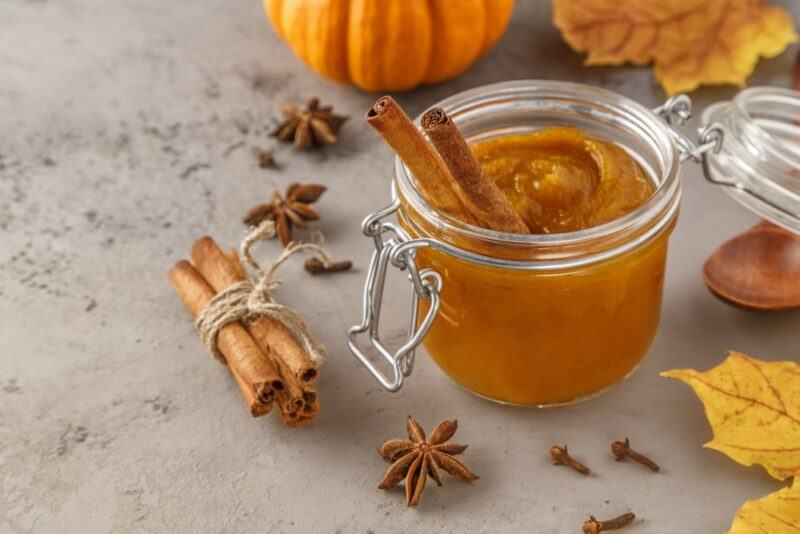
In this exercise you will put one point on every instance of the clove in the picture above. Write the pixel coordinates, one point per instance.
(316, 266)
(593, 526)
(622, 450)
(561, 456)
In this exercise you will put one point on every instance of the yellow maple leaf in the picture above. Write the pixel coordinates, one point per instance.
(777, 513)
(754, 410)
(691, 42)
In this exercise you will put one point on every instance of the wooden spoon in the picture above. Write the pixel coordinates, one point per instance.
(758, 269)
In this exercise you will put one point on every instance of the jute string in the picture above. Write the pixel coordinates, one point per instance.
(248, 300)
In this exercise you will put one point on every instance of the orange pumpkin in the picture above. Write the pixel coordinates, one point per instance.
(389, 45)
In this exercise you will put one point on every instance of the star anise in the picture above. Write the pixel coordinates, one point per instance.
(291, 210)
(416, 458)
(307, 128)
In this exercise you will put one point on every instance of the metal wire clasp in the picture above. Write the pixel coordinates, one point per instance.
(678, 110)
(400, 251)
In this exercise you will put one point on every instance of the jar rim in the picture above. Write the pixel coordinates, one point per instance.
(663, 200)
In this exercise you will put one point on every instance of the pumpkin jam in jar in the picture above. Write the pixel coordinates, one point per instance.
(553, 336)
(560, 180)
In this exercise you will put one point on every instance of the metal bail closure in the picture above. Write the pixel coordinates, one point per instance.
(678, 110)
(732, 166)
(398, 251)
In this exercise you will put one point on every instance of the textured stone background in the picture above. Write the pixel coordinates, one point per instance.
(126, 133)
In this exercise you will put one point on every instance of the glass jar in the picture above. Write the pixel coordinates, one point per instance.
(759, 161)
(526, 318)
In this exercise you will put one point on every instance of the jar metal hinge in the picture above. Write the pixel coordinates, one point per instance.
(398, 250)
(678, 110)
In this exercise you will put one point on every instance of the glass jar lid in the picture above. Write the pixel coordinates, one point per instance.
(758, 161)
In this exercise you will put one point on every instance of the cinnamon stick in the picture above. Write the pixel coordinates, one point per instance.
(299, 404)
(493, 208)
(433, 178)
(222, 271)
(310, 408)
(257, 408)
(256, 376)
(293, 412)
(273, 337)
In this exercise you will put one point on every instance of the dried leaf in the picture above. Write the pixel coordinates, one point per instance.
(777, 513)
(754, 410)
(691, 42)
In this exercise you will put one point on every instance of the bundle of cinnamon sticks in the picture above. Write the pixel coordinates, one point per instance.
(269, 365)
(445, 170)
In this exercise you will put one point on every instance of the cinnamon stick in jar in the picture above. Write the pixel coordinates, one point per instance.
(493, 208)
(256, 376)
(431, 174)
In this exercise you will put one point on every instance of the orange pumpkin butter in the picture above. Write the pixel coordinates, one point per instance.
(561, 180)
(543, 338)
(389, 45)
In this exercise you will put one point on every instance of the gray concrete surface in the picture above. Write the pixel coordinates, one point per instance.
(126, 129)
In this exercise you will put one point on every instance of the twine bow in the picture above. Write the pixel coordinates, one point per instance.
(248, 300)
